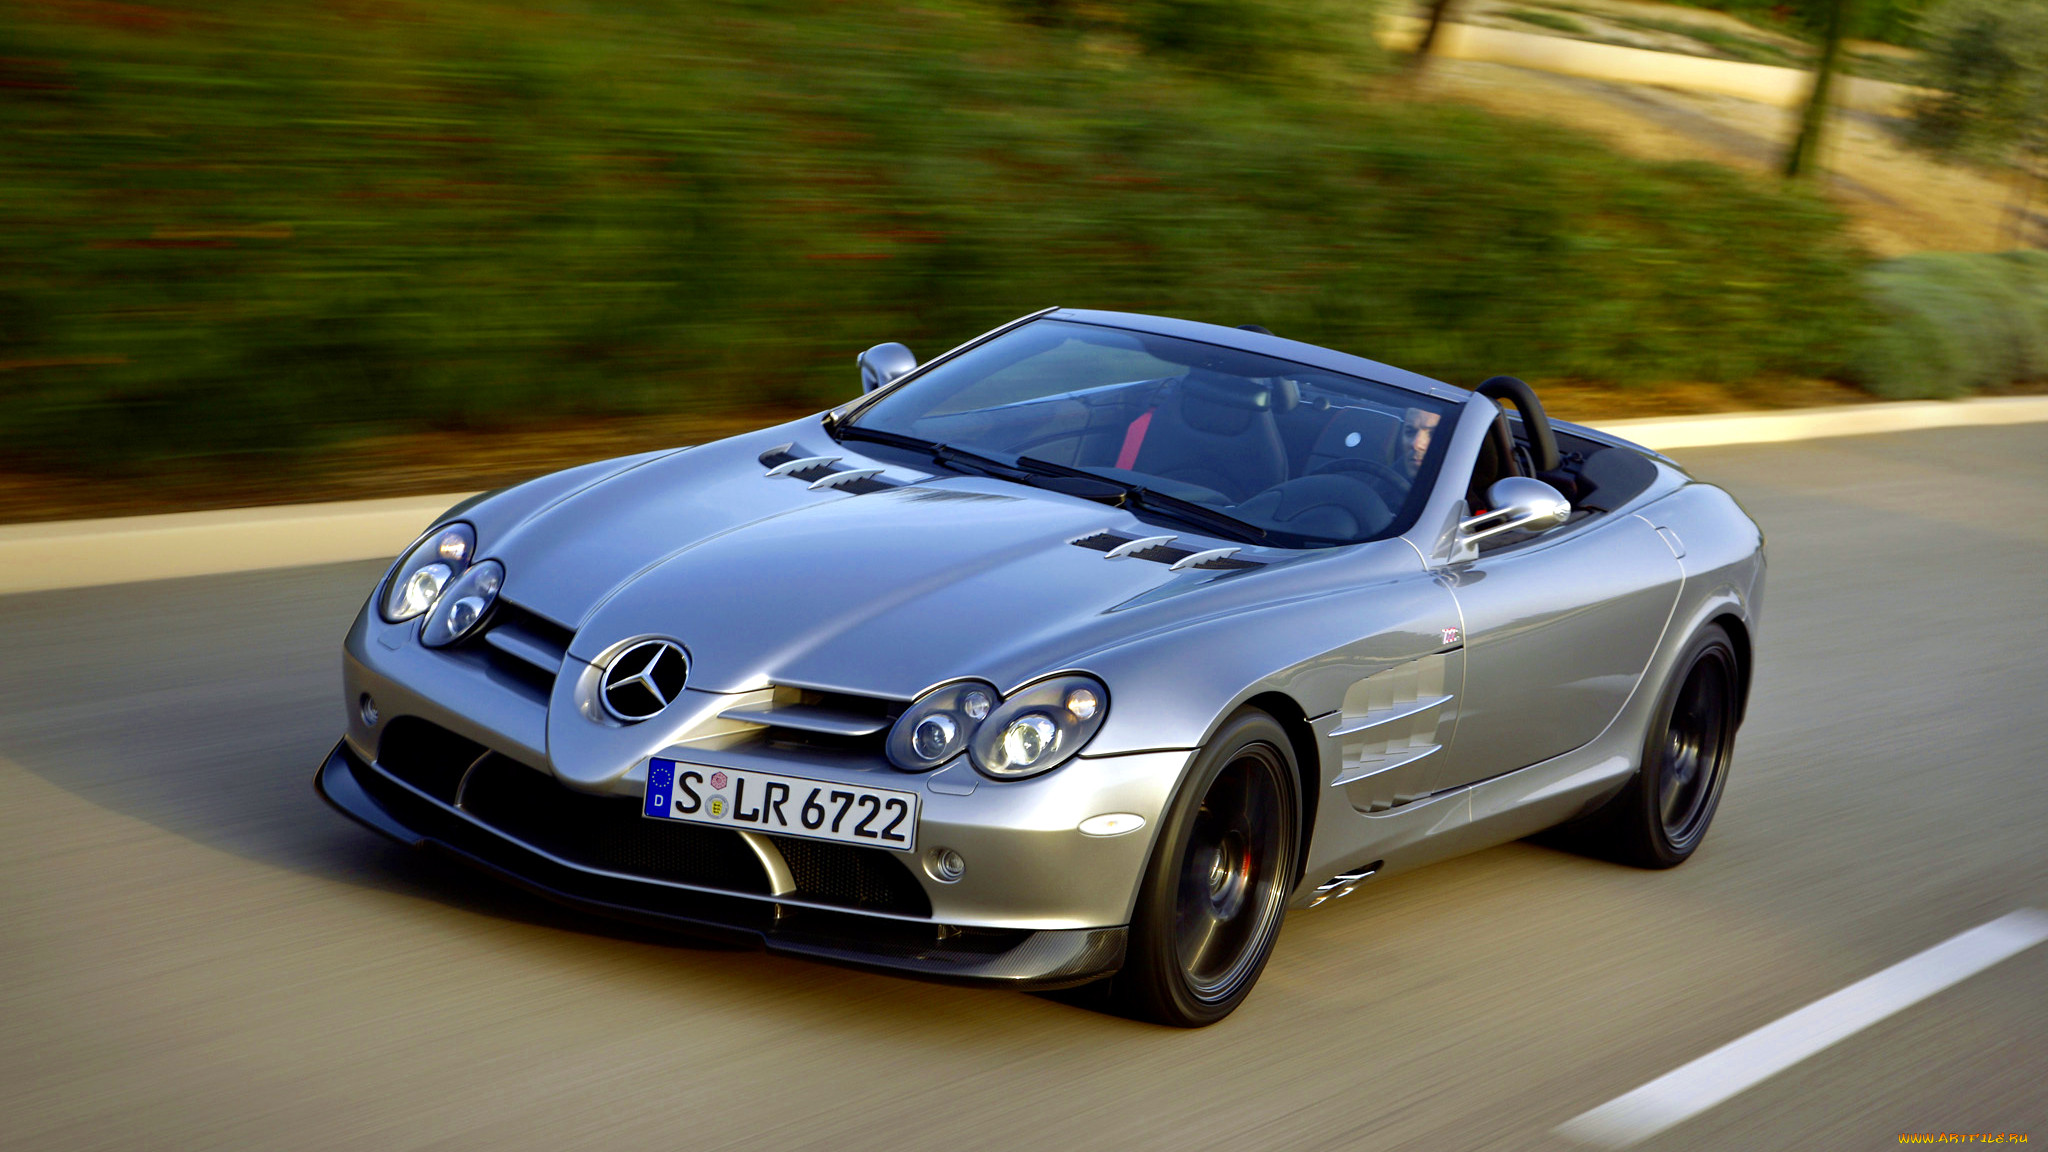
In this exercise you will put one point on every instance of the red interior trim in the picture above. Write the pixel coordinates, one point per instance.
(1134, 439)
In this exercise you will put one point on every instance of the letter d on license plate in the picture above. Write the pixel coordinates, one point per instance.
(781, 805)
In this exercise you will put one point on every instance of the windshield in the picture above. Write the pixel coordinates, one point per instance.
(1310, 456)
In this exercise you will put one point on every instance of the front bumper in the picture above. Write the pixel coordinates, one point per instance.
(921, 948)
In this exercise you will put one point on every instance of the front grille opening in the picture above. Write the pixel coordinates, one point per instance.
(800, 730)
(607, 832)
(871, 879)
(539, 627)
(540, 682)
(426, 755)
(798, 738)
(523, 647)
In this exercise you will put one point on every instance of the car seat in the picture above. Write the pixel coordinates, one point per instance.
(1218, 431)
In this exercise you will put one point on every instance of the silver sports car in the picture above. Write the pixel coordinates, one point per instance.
(1081, 652)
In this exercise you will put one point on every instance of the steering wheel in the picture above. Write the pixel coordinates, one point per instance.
(1322, 504)
(1391, 485)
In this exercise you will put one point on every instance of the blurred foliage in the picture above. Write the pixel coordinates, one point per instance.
(1988, 61)
(1956, 322)
(1555, 21)
(255, 226)
(1241, 38)
(1888, 21)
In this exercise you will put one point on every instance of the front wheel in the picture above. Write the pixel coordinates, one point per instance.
(1660, 818)
(1217, 885)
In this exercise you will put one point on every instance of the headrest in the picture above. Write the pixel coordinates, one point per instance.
(1276, 395)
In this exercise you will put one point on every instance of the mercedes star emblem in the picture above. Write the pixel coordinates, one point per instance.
(644, 679)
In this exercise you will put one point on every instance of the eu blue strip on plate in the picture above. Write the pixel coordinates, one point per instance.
(661, 776)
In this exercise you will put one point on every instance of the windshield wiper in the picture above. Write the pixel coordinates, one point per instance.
(1033, 471)
(1159, 503)
(943, 454)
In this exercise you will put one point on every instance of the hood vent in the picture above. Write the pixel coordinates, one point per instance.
(1162, 550)
(823, 471)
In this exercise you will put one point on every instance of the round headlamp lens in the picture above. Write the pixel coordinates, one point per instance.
(938, 725)
(426, 571)
(1039, 726)
(933, 736)
(1029, 739)
(418, 591)
(464, 613)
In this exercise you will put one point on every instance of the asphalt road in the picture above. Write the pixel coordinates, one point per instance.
(195, 952)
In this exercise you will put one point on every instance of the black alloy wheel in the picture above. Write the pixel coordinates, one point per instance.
(1696, 746)
(1216, 889)
(1659, 819)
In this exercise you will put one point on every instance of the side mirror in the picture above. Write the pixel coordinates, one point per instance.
(1520, 504)
(884, 363)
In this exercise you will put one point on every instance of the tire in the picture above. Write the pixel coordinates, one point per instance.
(1216, 888)
(1659, 819)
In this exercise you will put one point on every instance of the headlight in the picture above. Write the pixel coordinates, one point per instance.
(440, 557)
(937, 727)
(464, 605)
(1039, 728)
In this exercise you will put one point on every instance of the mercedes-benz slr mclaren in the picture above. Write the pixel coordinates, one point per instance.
(1083, 652)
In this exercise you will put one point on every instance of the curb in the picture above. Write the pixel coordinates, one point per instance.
(118, 550)
(1715, 429)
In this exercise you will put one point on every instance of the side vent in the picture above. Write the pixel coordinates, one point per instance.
(1162, 550)
(1389, 724)
(785, 461)
(825, 721)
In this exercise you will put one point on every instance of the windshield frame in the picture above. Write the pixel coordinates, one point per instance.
(848, 412)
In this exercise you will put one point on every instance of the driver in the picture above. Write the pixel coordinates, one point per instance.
(1411, 446)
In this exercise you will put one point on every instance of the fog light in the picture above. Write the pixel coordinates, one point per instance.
(945, 865)
(367, 709)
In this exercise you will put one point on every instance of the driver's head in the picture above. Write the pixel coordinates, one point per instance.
(1418, 425)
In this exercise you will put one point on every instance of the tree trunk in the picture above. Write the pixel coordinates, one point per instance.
(1804, 158)
(1438, 9)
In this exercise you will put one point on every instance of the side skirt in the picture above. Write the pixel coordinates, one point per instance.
(1476, 816)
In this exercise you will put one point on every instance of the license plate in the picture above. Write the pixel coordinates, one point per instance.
(781, 805)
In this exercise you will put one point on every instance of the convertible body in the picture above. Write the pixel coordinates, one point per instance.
(696, 687)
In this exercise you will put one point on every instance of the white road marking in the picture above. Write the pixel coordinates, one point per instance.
(1688, 1091)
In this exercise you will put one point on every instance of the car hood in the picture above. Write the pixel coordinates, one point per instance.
(767, 580)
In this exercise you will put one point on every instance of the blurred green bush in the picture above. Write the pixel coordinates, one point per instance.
(254, 226)
(1987, 63)
(1887, 21)
(1956, 322)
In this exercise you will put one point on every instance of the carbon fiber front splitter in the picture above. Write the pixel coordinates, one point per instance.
(1013, 958)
